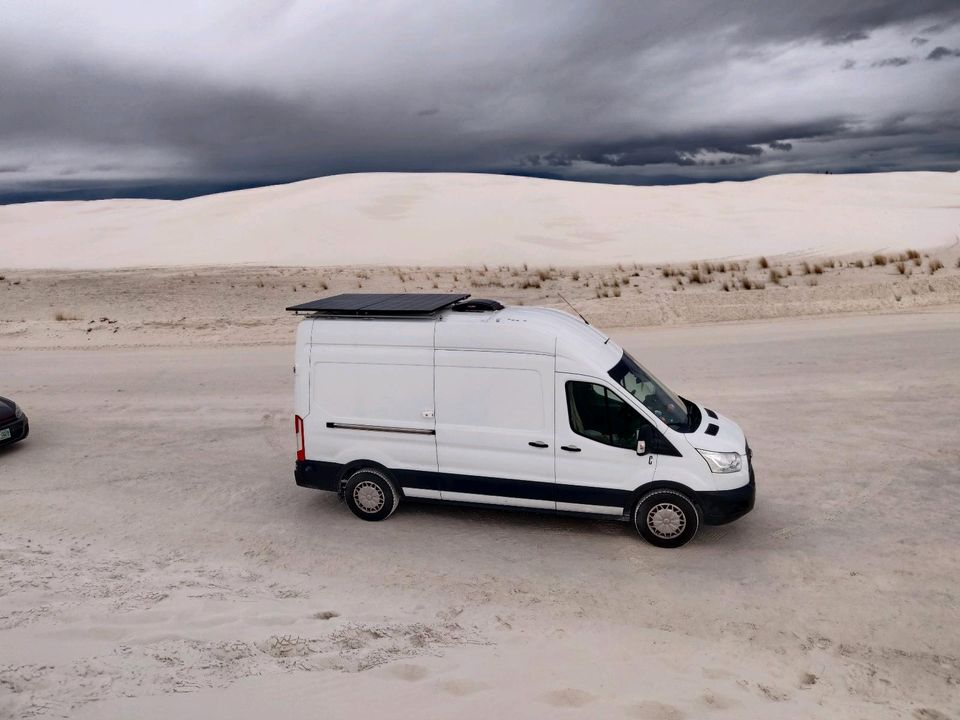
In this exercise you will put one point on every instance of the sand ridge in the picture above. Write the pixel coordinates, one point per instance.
(447, 219)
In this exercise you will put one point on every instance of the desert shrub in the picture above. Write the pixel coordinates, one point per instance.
(667, 271)
(64, 316)
(725, 287)
(575, 275)
(775, 276)
(695, 277)
(880, 260)
(734, 267)
(818, 269)
(259, 283)
(528, 283)
(323, 285)
(806, 268)
(616, 292)
(901, 267)
(746, 283)
(544, 275)
(763, 263)
(858, 264)
(935, 265)
(912, 254)
(958, 265)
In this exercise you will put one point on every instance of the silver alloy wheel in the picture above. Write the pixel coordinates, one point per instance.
(368, 497)
(666, 520)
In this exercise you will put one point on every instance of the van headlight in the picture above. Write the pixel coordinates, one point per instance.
(722, 462)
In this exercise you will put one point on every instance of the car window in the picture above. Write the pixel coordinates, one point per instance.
(595, 412)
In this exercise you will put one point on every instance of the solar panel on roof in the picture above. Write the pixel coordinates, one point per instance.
(381, 304)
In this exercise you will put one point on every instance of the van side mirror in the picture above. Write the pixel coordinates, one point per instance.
(644, 438)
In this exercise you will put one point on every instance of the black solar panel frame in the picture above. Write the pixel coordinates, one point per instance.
(380, 304)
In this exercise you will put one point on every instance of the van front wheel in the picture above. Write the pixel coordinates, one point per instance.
(666, 518)
(371, 495)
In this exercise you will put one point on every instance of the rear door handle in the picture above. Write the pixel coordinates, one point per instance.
(570, 448)
(537, 444)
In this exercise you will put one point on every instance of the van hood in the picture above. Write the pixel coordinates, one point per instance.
(728, 438)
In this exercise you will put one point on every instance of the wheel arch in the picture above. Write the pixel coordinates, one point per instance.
(685, 490)
(351, 467)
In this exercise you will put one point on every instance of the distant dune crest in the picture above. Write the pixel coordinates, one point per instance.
(443, 219)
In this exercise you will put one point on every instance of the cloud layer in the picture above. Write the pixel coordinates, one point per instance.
(117, 95)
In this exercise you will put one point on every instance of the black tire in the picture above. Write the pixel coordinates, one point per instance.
(371, 495)
(666, 518)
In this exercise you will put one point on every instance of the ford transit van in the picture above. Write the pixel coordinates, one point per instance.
(436, 397)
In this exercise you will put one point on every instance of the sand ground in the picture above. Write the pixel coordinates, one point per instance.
(157, 560)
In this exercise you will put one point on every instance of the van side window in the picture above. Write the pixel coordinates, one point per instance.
(597, 413)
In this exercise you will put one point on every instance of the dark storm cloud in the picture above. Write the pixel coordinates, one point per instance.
(567, 87)
(940, 52)
(846, 39)
(689, 149)
(891, 62)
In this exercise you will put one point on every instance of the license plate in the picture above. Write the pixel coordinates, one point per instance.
(5, 434)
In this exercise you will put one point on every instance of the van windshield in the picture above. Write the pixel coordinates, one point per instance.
(656, 396)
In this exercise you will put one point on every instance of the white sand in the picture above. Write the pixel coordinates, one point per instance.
(157, 560)
(455, 219)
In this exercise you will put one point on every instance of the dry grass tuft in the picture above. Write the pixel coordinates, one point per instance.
(763, 263)
(901, 267)
(935, 265)
(880, 260)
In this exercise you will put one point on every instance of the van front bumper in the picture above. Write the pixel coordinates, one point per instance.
(722, 506)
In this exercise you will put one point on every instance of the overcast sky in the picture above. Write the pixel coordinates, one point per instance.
(127, 97)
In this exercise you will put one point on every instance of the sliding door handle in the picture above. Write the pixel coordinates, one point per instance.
(537, 444)
(570, 448)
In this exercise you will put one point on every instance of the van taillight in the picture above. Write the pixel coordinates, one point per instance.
(298, 426)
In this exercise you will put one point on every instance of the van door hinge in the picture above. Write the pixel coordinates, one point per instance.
(427, 413)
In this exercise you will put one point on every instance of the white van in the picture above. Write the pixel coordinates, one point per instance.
(435, 397)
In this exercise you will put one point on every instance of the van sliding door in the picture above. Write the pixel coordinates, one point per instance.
(494, 425)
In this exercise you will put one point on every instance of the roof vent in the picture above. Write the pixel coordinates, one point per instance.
(478, 305)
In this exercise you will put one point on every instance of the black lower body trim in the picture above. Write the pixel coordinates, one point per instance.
(718, 507)
(723, 506)
(318, 475)
(504, 487)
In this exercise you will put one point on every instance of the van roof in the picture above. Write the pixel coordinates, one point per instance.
(488, 327)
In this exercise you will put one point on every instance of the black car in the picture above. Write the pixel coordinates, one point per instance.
(13, 423)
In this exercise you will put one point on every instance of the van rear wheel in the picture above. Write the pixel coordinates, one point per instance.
(666, 518)
(371, 495)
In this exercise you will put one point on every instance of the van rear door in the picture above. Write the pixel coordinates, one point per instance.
(494, 425)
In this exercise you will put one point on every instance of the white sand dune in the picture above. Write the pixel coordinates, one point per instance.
(454, 219)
